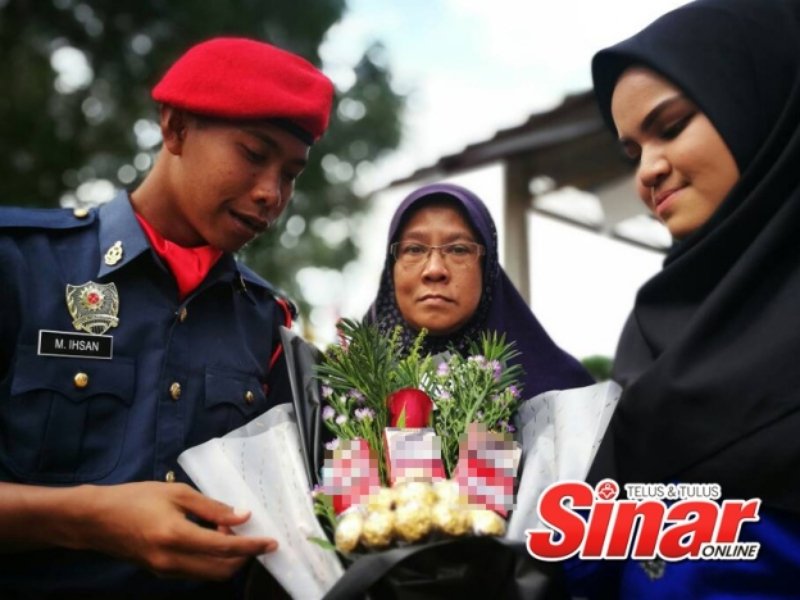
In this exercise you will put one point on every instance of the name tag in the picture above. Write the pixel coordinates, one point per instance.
(66, 343)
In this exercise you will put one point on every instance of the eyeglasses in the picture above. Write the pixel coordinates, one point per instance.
(457, 253)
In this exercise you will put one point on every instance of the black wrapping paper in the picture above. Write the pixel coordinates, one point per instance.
(306, 398)
(470, 567)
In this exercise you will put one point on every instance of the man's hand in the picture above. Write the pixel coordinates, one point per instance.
(142, 522)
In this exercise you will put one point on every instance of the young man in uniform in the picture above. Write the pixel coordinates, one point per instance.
(130, 333)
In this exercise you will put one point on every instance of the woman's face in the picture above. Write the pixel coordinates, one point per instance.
(685, 170)
(437, 293)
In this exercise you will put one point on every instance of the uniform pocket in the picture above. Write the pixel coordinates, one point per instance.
(232, 399)
(65, 419)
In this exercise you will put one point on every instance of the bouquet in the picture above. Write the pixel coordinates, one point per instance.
(430, 425)
(423, 444)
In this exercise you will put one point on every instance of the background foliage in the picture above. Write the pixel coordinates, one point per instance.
(63, 128)
(600, 367)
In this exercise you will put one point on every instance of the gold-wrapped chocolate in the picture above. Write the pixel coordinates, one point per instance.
(383, 499)
(378, 528)
(412, 521)
(487, 522)
(414, 492)
(447, 491)
(348, 531)
(450, 518)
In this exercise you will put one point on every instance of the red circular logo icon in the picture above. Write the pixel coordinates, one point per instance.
(608, 489)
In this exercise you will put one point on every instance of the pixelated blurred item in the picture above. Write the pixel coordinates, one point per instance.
(350, 474)
(413, 455)
(409, 407)
(487, 469)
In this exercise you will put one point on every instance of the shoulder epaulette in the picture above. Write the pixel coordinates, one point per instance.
(45, 218)
(250, 276)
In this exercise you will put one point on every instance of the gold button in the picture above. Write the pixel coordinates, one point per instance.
(175, 390)
(80, 213)
(81, 380)
(249, 397)
(183, 314)
(170, 477)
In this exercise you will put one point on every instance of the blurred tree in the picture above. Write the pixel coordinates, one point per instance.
(76, 109)
(599, 367)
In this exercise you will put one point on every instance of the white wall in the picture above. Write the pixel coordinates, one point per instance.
(583, 285)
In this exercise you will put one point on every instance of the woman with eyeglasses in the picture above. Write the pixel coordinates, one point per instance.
(442, 273)
(706, 102)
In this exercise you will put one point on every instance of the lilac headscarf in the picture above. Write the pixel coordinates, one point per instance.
(501, 308)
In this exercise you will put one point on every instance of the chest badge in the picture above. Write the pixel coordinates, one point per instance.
(113, 254)
(93, 306)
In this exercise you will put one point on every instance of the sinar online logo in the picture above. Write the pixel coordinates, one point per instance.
(670, 521)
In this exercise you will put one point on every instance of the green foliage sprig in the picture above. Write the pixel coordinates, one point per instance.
(359, 375)
(479, 388)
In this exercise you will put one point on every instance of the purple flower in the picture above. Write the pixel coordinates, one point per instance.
(357, 396)
(478, 359)
(497, 369)
(443, 370)
(363, 414)
(341, 419)
(328, 413)
(333, 444)
(443, 395)
(327, 391)
(510, 428)
(514, 391)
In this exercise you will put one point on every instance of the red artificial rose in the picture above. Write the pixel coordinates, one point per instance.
(409, 407)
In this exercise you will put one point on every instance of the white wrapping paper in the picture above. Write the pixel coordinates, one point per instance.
(560, 433)
(260, 467)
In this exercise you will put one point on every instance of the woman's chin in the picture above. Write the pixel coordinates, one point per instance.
(439, 329)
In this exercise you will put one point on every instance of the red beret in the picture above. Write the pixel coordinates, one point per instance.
(239, 78)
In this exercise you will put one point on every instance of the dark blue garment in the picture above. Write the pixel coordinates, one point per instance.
(772, 575)
(128, 423)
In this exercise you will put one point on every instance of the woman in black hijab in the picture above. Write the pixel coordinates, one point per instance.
(708, 358)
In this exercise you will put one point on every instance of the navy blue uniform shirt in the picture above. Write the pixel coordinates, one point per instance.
(74, 411)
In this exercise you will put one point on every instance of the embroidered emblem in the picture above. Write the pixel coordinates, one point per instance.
(114, 254)
(654, 568)
(93, 306)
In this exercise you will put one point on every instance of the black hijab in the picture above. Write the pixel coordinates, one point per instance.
(501, 308)
(709, 356)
